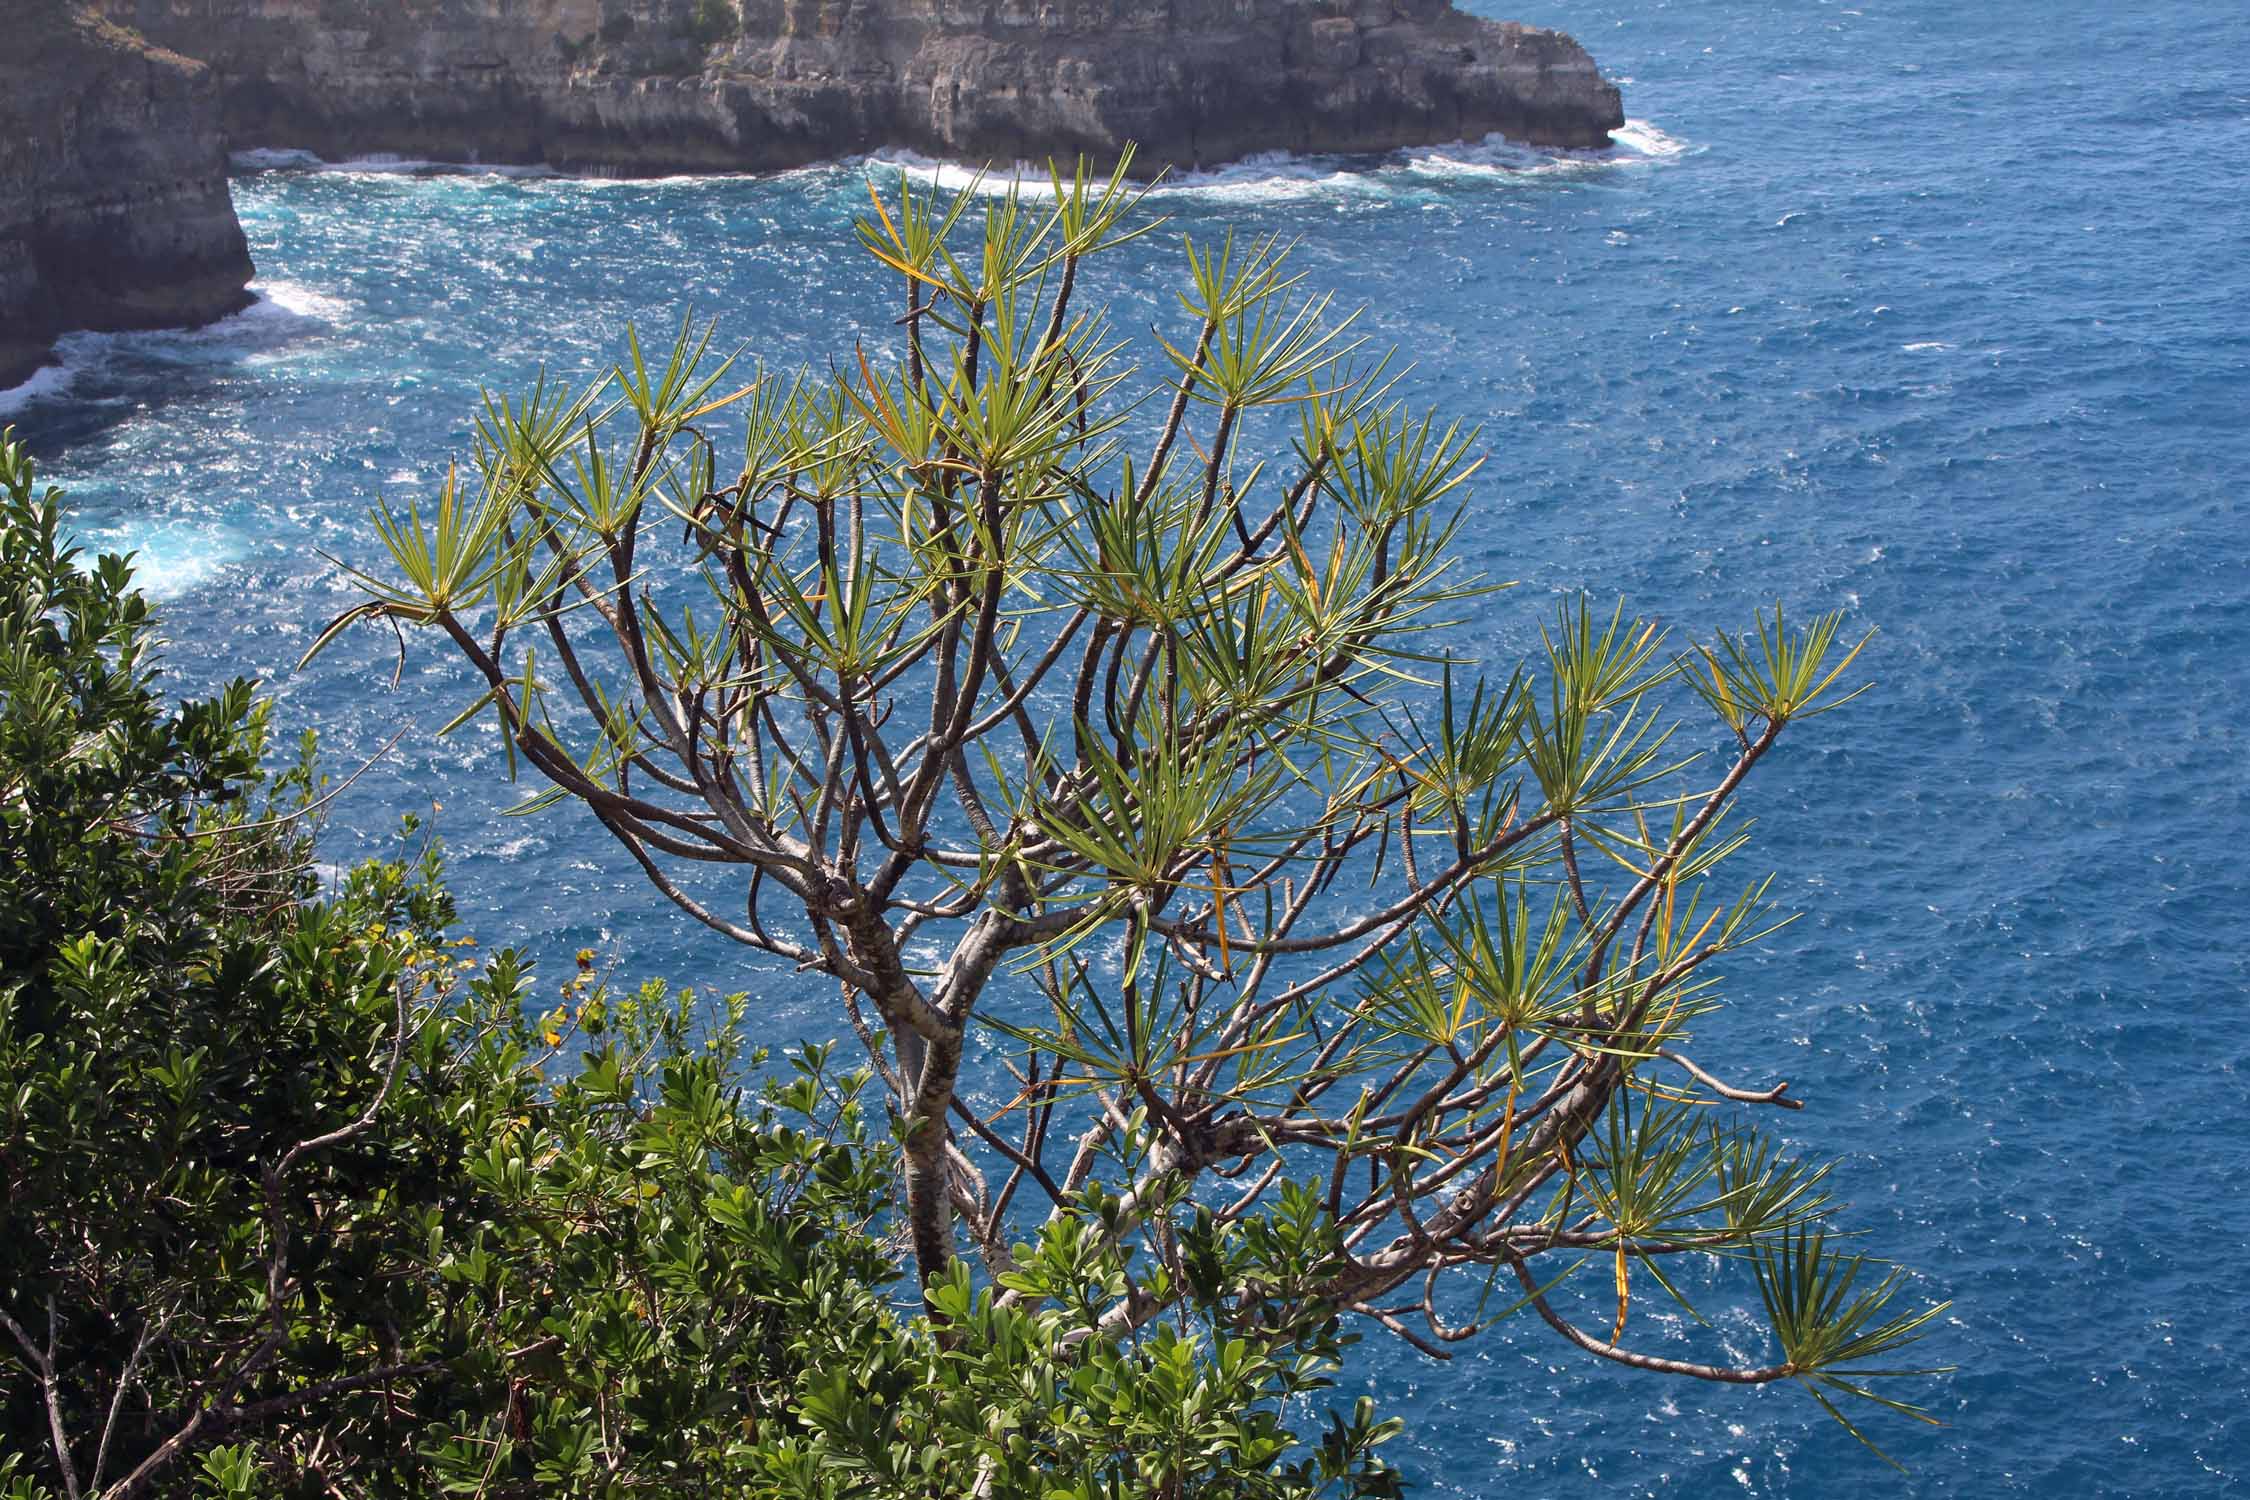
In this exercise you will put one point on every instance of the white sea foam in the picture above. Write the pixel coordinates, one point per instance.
(1267, 177)
(382, 163)
(1273, 172)
(951, 176)
(171, 557)
(76, 356)
(280, 312)
(1495, 156)
(1275, 177)
(173, 553)
(1281, 175)
(286, 300)
(46, 383)
(1642, 138)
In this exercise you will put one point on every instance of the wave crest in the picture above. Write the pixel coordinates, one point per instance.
(279, 313)
(1267, 176)
(1276, 175)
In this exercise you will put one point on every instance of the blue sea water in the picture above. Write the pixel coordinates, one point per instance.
(1935, 314)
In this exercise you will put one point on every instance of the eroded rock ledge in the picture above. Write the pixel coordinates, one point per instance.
(684, 85)
(114, 210)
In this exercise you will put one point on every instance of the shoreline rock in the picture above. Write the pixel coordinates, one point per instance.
(114, 209)
(651, 86)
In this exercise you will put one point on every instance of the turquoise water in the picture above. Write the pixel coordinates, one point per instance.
(1933, 314)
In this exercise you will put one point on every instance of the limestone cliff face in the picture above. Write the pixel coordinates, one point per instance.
(662, 85)
(114, 210)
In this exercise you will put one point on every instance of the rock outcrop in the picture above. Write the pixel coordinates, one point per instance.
(114, 210)
(683, 85)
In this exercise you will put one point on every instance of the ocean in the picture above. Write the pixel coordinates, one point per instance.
(1935, 314)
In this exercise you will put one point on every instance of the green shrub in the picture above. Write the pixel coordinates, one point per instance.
(715, 22)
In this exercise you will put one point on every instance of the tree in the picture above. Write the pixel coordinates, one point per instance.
(299, 1199)
(1128, 698)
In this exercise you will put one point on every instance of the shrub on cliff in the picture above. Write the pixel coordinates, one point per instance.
(715, 21)
(1093, 730)
(297, 1198)
(180, 1029)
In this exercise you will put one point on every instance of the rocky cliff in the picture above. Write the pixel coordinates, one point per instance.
(670, 85)
(114, 210)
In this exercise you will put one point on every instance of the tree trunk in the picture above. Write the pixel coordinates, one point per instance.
(928, 1043)
(929, 1197)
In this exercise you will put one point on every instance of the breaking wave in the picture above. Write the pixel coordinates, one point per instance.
(1279, 175)
(279, 313)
